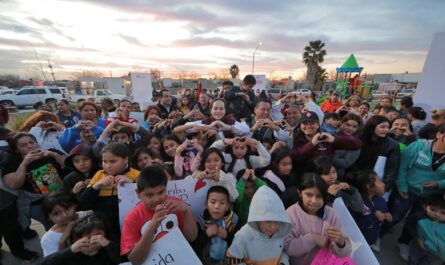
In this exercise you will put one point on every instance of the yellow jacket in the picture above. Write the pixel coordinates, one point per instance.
(111, 190)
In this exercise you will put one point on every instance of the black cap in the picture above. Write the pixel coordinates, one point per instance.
(309, 116)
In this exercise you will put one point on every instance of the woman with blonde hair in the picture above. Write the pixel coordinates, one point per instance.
(46, 128)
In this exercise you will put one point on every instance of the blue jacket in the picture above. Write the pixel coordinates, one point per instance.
(367, 221)
(432, 235)
(416, 168)
(71, 137)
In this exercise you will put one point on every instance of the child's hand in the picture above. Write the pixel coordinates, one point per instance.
(79, 186)
(174, 206)
(197, 146)
(381, 216)
(430, 185)
(388, 217)
(421, 245)
(212, 174)
(211, 230)
(336, 235)
(160, 212)
(229, 141)
(278, 144)
(344, 186)
(334, 189)
(249, 173)
(121, 179)
(201, 175)
(99, 240)
(320, 240)
(80, 245)
(104, 182)
(181, 148)
(222, 232)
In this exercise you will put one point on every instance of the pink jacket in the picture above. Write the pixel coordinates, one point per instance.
(300, 245)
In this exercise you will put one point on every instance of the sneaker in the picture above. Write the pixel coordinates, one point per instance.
(29, 233)
(404, 251)
(376, 245)
(27, 255)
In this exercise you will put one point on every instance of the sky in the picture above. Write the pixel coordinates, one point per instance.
(118, 36)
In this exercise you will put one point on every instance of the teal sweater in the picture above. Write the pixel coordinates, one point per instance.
(432, 235)
(416, 169)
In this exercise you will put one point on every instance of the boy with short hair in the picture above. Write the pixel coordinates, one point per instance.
(331, 121)
(155, 205)
(261, 240)
(429, 245)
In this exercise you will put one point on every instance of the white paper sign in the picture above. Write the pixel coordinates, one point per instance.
(361, 252)
(430, 90)
(261, 83)
(141, 89)
(172, 248)
(379, 166)
(191, 191)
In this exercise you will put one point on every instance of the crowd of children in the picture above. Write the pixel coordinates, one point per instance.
(274, 170)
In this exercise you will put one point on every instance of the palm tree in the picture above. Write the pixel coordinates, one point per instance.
(322, 75)
(313, 55)
(234, 71)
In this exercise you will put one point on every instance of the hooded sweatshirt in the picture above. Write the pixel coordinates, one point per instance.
(250, 245)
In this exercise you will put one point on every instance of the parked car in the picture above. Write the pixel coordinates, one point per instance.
(7, 91)
(97, 94)
(29, 95)
(409, 92)
(304, 91)
(377, 94)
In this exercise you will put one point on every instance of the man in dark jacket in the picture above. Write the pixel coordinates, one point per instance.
(166, 104)
(242, 100)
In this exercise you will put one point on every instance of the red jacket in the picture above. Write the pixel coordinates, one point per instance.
(329, 106)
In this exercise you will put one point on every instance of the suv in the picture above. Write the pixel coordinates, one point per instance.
(304, 91)
(28, 96)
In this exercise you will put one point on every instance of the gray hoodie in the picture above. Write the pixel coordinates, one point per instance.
(250, 245)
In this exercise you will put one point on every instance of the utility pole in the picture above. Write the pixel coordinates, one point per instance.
(52, 73)
(41, 68)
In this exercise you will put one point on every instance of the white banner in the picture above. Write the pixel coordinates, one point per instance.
(141, 89)
(261, 83)
(361, 252)
(430, 90)
(191, 191)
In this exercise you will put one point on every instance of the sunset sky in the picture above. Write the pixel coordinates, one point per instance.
(205, 36)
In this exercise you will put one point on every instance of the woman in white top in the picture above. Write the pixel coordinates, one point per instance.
(225, 125)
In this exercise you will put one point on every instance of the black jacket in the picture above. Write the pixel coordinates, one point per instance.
(386, 147)
(237, 104)
(165, 112)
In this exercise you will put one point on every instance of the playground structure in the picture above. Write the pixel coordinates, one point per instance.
(347, 84)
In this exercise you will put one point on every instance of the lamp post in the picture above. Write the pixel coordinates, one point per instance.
(253, 57)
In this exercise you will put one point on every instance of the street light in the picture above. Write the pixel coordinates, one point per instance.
(253, 57)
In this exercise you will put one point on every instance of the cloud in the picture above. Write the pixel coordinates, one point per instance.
(130, 39)
(205, 34)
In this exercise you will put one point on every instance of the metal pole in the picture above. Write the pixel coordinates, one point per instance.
(253, 57)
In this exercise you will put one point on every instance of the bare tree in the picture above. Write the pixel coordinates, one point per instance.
(9, 80)
(87, 73)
